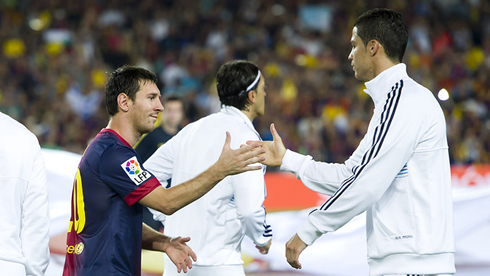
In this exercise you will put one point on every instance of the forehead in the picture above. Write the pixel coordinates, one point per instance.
(262, 80)
(147, 86)
(177, 104)
(354, 37)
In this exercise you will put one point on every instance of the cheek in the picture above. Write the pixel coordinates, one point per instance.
(354, 54)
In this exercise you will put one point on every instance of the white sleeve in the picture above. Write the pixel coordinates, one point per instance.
(161, 165)
(35, 220)
(320, 177)
(249, 194)
(382, 159)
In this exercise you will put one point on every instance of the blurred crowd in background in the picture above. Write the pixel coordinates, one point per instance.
(56, 56)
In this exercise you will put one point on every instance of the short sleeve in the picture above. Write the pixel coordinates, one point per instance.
(121, 169)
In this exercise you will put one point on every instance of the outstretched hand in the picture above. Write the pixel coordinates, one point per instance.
(180, 253)
(274, 150)
(237, 161)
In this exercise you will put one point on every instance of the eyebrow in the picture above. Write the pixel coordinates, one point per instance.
(153, 93)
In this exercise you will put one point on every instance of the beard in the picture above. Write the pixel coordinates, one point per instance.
(144, 128)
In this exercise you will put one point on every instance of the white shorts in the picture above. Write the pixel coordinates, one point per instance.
(197, 270)
(418, 275)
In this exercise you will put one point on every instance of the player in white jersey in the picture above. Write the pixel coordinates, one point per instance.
(24, 213)
(219, 220)
(400, 172)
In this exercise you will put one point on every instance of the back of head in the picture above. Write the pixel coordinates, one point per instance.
(387, 27)
(125, 79)
(234, 80)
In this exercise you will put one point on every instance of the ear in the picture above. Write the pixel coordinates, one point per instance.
(123, 102)
(251, 96)
(373, 47)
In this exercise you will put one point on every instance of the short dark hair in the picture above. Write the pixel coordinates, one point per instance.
(125, 79)
(234, 77)
(173, 99)
(387, 27)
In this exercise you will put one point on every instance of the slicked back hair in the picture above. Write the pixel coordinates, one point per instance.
(233, 78)
(125, 79)
(387, 27)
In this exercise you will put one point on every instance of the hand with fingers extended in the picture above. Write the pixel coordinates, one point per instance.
(294, 247)
(274, 150)
(237, 161)
(180, 253)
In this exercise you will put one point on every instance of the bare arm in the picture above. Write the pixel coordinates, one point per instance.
(57, 244)
(230, 162)
(176, 248)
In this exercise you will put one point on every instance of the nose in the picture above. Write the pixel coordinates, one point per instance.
(350, 56)
(159, 106)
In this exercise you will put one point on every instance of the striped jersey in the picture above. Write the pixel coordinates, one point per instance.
(399, 174)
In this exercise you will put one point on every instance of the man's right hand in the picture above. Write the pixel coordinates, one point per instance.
(264, 249)
(274, 150)
(237, 161)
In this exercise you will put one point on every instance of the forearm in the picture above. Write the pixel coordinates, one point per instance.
(181, 195)
(153, 240)
(57, 244)
(249, 193)
(320, 177)
(257, 229)
(231, 162)
(35, 220)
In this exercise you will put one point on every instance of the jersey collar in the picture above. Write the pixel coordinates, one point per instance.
(104, 130)
(381, 85)
(231, 110)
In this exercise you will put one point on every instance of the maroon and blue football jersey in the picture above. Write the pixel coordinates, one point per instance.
(104, 235)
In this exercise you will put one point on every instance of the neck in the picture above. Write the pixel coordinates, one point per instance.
(249, 114)
(130, 135)
(381, 65)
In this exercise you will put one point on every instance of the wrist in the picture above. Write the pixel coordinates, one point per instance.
(163, 243)
(281, 157)
(217, 172)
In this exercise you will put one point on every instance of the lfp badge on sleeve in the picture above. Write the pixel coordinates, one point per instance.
(134, 171)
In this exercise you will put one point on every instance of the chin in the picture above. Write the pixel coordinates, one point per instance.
(360, 77)
(147, 130)
(150, 129)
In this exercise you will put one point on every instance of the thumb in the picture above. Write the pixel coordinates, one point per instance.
(275, 135)
(227, 141)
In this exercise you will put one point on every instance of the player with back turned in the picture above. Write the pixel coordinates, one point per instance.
(220, 220)
(106, 233)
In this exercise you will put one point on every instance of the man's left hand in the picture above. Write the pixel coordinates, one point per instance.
(294, 247)
(180, 253)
